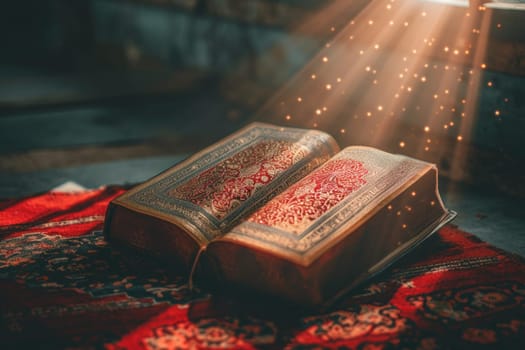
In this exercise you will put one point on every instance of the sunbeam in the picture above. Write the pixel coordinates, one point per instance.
(400, 75)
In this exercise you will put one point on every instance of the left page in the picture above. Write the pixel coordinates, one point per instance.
(206, 195)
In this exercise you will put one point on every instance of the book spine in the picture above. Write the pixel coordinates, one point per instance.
(107, 221)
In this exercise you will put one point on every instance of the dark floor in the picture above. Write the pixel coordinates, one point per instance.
(129, 140)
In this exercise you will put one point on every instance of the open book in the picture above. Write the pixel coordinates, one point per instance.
(282, 211)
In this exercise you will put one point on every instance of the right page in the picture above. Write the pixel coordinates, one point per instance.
(346, 220)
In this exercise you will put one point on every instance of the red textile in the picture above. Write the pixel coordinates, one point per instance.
(62, 285)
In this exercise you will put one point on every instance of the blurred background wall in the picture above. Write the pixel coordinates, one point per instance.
(145, 77)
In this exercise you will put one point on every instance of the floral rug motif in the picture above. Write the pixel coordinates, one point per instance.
(62, 286)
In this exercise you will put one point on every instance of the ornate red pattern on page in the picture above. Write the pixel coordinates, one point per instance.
(302, 203)
(222, 188)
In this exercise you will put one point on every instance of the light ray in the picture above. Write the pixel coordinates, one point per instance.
(399, 75)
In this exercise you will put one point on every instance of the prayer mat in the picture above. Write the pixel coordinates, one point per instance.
(63, 286)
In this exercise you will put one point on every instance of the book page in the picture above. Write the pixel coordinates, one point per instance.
(320, 209)
(210, 192)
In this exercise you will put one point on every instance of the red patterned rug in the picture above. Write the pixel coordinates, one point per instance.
(63, 286)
